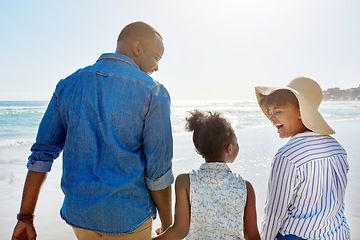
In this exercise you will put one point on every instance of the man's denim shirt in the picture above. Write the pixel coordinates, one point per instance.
(112, 122)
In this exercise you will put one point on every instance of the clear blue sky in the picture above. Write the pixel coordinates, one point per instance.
(214, 49)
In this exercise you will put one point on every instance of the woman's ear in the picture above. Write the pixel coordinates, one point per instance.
(137, 48)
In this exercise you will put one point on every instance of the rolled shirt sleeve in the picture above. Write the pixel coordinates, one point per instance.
(161, 183)
(158, 142)
(49, 140)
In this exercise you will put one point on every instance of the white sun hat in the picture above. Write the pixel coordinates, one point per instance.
(309, 95)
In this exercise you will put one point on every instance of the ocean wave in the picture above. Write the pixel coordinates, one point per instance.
(343, 119)
(11, 110)
(21, 107)
(20, 120)
(16, 143)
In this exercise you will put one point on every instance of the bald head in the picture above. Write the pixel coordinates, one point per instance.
(138, 31)
(143, 44)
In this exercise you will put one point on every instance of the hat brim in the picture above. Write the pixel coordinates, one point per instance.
(310, 115)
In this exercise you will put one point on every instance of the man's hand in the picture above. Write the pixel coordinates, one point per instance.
(24, 230)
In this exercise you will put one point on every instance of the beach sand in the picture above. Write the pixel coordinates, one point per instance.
(257, 147)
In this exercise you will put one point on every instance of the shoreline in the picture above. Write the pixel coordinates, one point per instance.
(257, 147)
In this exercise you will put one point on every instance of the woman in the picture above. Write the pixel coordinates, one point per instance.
(306, 189)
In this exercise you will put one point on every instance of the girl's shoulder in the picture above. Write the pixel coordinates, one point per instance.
(183, 180)
(182, 176)
(249, 187)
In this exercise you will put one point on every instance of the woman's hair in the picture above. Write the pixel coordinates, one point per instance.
(280, 97)
(212, 133)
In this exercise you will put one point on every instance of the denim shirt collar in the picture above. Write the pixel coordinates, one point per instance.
(117, 58)
(218, 166)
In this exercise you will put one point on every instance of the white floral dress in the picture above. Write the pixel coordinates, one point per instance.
(217, 199)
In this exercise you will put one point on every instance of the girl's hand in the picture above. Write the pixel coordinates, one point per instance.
(159, 231)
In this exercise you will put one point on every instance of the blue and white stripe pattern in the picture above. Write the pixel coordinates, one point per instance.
(306, 190)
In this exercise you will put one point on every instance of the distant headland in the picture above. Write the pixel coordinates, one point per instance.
(336, 94)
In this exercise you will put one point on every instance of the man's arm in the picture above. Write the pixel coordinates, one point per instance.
(25, 229)
(162, 200)
(158, 149)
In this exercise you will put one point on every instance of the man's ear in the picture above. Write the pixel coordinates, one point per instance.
(137, 48)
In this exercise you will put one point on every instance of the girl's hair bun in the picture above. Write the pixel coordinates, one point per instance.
(212, 132)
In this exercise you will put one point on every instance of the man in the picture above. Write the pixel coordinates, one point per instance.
(112, 121)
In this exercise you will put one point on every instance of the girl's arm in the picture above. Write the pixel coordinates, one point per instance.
(181, 225)
(250, 223)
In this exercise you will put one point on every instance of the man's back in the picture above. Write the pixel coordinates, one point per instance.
(115, 117)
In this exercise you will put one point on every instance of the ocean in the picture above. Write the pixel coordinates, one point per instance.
(19, 120)
(257, 139)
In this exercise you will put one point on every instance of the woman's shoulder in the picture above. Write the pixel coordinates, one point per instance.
(309, 146)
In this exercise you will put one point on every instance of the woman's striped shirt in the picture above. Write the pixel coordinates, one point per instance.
(306, 190)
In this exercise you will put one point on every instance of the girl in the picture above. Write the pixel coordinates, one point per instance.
(213, 202)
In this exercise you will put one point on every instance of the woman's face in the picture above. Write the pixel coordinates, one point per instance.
(287, 120)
